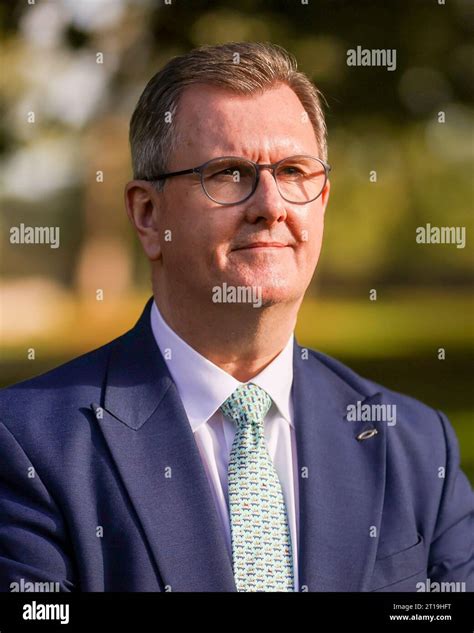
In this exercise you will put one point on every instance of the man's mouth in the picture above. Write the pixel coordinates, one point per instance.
(261, 245)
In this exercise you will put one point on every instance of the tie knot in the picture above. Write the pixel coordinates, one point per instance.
(248, 403)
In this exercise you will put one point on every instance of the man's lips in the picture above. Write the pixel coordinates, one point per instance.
(262, 245)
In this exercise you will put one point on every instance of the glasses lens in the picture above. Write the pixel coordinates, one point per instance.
(229, 180)
(301, 178)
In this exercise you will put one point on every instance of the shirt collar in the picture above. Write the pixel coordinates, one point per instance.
(204, 387)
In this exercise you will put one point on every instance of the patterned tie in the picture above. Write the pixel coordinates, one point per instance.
(261, 544)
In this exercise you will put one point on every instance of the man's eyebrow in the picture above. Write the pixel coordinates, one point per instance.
(247, 152)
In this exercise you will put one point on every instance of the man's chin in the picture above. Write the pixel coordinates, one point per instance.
(255, 293)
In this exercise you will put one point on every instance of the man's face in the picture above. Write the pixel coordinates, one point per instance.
(206, 243)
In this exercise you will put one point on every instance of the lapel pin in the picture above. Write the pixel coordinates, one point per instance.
(366, 435)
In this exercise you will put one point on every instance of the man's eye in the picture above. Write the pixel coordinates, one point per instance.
(292, 171)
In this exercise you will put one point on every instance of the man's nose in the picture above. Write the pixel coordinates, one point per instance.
(266, 201)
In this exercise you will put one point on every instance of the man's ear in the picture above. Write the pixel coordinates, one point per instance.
(325, 196)
(143, 204)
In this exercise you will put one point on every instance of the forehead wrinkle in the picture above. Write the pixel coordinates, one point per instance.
(273, 148)
(198, 127)
(259, 155)
(270, 151)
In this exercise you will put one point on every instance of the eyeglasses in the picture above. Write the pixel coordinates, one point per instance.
(231, 179)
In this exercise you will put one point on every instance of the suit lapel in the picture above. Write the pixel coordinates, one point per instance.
(341, 480)
(146, 429)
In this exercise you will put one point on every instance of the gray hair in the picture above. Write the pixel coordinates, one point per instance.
(240, 67)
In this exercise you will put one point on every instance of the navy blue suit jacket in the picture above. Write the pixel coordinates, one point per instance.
(102, 487)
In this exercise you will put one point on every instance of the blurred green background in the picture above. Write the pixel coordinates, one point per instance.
(378, 120)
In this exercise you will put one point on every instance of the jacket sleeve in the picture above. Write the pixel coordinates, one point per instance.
(451, 556)
(33, 536)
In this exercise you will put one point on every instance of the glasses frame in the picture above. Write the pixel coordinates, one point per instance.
(257, 166)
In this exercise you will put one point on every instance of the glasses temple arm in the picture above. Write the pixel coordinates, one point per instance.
(173, 173)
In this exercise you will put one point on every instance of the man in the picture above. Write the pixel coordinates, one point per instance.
(205, 450)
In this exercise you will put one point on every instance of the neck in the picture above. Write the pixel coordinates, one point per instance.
(238, 338)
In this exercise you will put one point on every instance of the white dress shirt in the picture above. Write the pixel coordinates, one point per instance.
(203, 388)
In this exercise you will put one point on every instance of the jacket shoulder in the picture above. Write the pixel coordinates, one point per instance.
(414, 418)
(365, 386)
